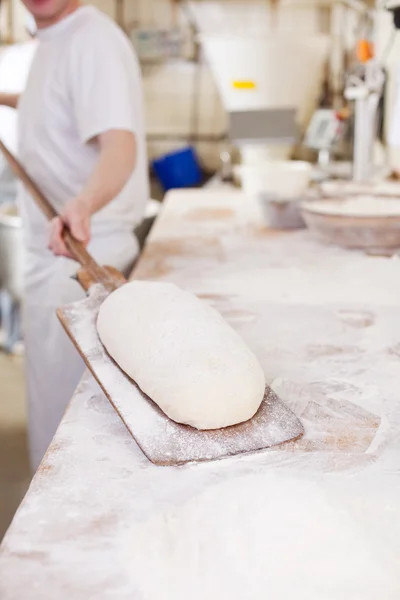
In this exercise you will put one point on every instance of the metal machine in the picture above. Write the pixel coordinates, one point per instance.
(269, 86)
(326, 130)
(268, 126)
(366, 93)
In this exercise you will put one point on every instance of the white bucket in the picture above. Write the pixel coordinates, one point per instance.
(285, 179)
(259, 154)
(277, 71)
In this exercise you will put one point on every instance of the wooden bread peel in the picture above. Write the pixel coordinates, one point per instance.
(163, 441)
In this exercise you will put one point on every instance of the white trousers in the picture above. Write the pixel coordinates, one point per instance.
(53, 365)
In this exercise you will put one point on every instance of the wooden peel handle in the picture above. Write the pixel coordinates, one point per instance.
(77, 249)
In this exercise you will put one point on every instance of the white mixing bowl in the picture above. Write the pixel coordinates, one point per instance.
(286, 179)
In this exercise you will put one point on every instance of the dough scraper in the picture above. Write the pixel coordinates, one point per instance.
(163, 441)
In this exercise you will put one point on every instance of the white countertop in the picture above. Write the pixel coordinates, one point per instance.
(314, 519)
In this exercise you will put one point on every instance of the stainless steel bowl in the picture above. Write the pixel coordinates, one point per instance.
(281, 213)
(11, 251)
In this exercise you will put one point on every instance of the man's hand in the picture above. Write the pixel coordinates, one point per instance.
(76, 216)
(10, 100)
(115, 166)
(394, 175)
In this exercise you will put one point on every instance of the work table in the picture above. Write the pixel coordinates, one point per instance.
(100, 521)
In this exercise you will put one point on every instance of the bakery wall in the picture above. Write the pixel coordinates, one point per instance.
(181, 98)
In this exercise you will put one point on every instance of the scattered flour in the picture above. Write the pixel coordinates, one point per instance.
(251, 545)
(315, 520)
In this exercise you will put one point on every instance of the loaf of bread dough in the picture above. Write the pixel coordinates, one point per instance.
(182, 354)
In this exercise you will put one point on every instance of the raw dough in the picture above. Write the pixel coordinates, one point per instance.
(182, 354)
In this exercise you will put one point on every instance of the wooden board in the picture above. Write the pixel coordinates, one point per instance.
(163, 441)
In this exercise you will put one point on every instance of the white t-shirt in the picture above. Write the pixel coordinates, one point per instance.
(85, 80)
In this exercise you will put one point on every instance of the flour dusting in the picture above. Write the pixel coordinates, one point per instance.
(247, 525)
(316, 519)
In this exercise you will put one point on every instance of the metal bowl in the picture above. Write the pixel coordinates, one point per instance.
(11, 251)
(281, 213)
(366, 232)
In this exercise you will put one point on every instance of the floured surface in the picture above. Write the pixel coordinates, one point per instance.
(251, 549)
(101, 521)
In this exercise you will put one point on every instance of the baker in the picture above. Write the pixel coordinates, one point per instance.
(82, 140)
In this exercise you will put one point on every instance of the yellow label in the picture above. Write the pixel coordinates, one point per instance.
(244, 85)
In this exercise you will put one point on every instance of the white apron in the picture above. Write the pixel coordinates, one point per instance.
(53, 365)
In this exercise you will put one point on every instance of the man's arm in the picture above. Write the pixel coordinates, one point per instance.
(115, 166)
(10, 100)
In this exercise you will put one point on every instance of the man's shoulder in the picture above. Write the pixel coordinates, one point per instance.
(98, 30)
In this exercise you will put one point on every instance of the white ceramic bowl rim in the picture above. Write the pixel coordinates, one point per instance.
(293, 165)
(314, 208)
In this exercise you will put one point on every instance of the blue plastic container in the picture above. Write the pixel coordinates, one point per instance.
(178, 169)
